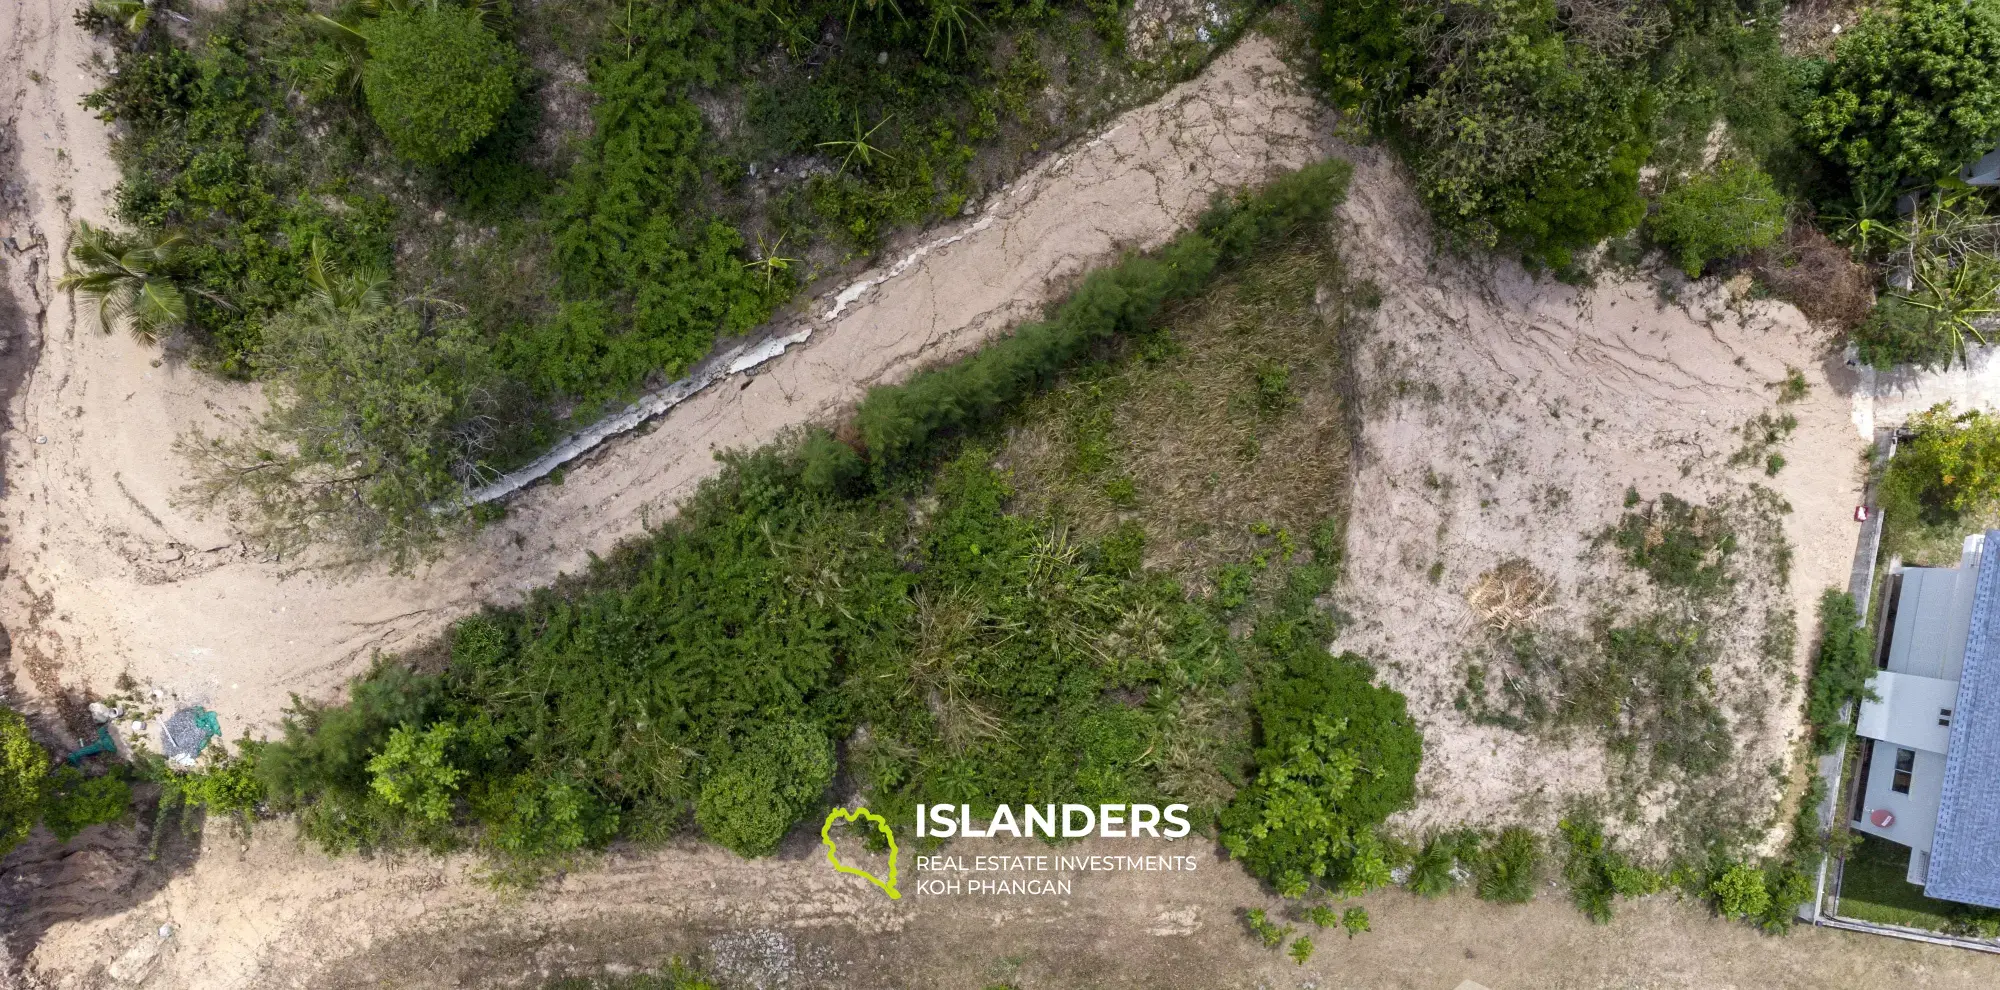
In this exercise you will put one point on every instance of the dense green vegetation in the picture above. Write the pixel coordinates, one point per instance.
(1913, 91)
(551, 267)
(1527, 123)
(23, 767)
(1947, 464)
(62, 797)
(1597, 872)
(1841, 669)
(894, 614)
(1717, 216)
(436, 79)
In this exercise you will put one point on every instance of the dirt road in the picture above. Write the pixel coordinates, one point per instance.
(272, 916)
(108, 575)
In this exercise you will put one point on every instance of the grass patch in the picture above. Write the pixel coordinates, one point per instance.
(1678, 544)
(1195, 437)
(1873, 887)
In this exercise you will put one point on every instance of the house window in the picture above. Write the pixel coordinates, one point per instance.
(1906, 762)
(1944, 716)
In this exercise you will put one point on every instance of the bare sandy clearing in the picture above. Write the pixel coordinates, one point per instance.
(108, 575)
(1505, 418)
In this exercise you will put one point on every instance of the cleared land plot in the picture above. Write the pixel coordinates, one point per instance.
(1552, 480)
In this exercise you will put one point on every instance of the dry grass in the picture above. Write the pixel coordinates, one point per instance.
(1224, 435)
(1810, 271)
(1510, 595)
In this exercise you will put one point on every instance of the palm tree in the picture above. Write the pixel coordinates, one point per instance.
(1957, 296)
(343, 293)
(859, 147)
(131, 14)
(948, 16)
(127, 278)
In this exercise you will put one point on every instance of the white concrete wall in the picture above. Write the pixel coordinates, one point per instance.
(1916, 812)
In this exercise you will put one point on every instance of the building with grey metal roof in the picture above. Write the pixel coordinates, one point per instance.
(1930, 770)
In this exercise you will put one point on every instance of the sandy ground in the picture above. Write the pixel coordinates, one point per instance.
(1505, 417)
(792, 922)
(107, 575)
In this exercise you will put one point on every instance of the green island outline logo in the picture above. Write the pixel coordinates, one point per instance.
(833, 854)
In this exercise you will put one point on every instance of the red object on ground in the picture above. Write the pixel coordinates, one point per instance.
(1882, 817)
(1860, 513)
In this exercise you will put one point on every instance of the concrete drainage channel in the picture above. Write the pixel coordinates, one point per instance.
(742, 357)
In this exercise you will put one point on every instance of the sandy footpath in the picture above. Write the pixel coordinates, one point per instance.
(106, 574)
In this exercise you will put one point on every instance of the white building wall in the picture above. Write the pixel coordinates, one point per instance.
(1916, 812)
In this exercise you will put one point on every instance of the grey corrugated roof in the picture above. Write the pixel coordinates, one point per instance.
(1965, 857)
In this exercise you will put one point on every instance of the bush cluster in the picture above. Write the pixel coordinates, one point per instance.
(1723, 214)
(1947, 463)
(63, 798)
(213, 152)
(1841, 669)
(959, 653)
(437, 79)
(1913, 93)
(1597, 872)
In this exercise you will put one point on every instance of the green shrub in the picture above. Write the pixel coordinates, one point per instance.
(227, 787)
(772, 780)
(533, 818)
(319, 768)
(1739, 892)
(1678, 544)
(75, 802)
(414, 771)
(1508, 867)
(1519, 135)
(1719, 215)
(24, 765)
(1841, 669)
(1947, 464)
(1338, 756)
(1434, 870)
(1301, 950)
(437, 79)
(1596, 872)
(1267, 931)
(380, 417)
(1913, 92)
(1365, 54)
